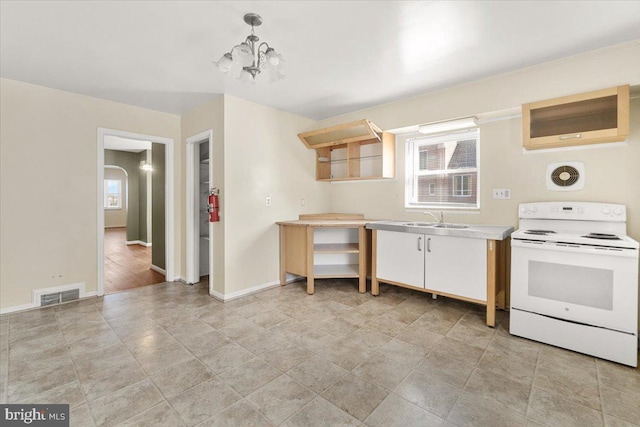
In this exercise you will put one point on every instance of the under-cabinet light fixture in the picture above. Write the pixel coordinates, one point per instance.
(447, 125)
(249, 59)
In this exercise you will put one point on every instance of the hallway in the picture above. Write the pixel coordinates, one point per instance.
(126, 267)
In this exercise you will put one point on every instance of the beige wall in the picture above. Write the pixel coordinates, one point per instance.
(201, 119)
(116, 217)
(610, 171)
(54, 134)
(256, 154)
(263, 157)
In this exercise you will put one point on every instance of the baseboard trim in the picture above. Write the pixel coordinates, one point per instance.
(238, 294)
(25, 307)
(159, 270)
(116, 226)
(15, 308)
(138, 242)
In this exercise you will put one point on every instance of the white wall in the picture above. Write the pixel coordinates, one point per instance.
(194, 122)
(263, 157)
(54, 133)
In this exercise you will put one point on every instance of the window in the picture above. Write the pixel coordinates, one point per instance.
(112, 194)
(462, 185)
(442, 170)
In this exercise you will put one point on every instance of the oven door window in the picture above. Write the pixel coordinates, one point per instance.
(585, 286)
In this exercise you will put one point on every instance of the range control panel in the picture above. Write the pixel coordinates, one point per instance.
(577, 211)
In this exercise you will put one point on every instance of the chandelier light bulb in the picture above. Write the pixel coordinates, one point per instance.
(249, 58)
(225, 62)
(272, 57)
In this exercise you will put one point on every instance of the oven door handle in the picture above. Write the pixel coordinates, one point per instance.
(569, 247)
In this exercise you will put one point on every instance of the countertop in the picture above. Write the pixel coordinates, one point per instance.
(475, 231)
(326, 222)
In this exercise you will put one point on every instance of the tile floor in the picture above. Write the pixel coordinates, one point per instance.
(170, 355)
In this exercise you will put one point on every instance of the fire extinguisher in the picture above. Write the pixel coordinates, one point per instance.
(214, 205)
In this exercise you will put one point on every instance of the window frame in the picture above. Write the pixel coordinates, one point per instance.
(106, 194)
(462, 181)
(412, 143)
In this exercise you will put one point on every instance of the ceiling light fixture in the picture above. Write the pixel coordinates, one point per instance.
(145, 166)
(448, 125)
(249, 59)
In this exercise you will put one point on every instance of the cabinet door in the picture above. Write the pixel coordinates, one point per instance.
(457, 266)
(400, 257)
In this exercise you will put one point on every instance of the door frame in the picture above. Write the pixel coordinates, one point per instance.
(193, 213)
(169, 201)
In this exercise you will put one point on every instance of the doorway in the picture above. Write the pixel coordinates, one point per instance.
(133, 258)
(127, 219)
(199, 182)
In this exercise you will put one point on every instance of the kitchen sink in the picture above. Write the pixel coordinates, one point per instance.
(453, 226)
(419, 224)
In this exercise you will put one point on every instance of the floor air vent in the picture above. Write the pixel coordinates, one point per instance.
(60, 295)
(568, 176)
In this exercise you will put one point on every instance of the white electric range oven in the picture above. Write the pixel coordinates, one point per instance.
(574, 279)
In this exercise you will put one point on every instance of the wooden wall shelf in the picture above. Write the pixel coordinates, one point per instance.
(352, 151)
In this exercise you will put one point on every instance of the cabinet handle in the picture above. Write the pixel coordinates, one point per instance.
(429, 245)
(420, 244)
(576, 136)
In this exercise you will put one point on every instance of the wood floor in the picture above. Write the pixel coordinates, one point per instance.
(126, 267)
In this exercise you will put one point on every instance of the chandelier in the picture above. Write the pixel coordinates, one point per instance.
(250, 58)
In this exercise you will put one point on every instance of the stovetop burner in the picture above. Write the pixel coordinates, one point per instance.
(602, 236)
(539, 232)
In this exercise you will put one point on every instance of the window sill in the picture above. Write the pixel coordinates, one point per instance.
(460, 209)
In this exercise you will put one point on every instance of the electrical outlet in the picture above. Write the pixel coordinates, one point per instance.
(268, 201)
(302, 202)
(502, 193)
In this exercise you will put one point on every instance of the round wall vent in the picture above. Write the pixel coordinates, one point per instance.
(567, 176)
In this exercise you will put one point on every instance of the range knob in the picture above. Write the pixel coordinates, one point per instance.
(606, 211)
(617, 210)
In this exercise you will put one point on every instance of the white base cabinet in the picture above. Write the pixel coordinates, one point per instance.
(457, 266)
(443, 264)
(465, 268)
(400, 257)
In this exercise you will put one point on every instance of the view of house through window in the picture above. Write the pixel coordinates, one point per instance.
(442, 170)
(112, 194)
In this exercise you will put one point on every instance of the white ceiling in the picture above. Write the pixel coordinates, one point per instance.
(341, 56)
(124, 144)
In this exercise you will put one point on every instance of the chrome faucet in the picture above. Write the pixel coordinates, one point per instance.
(440, 220)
